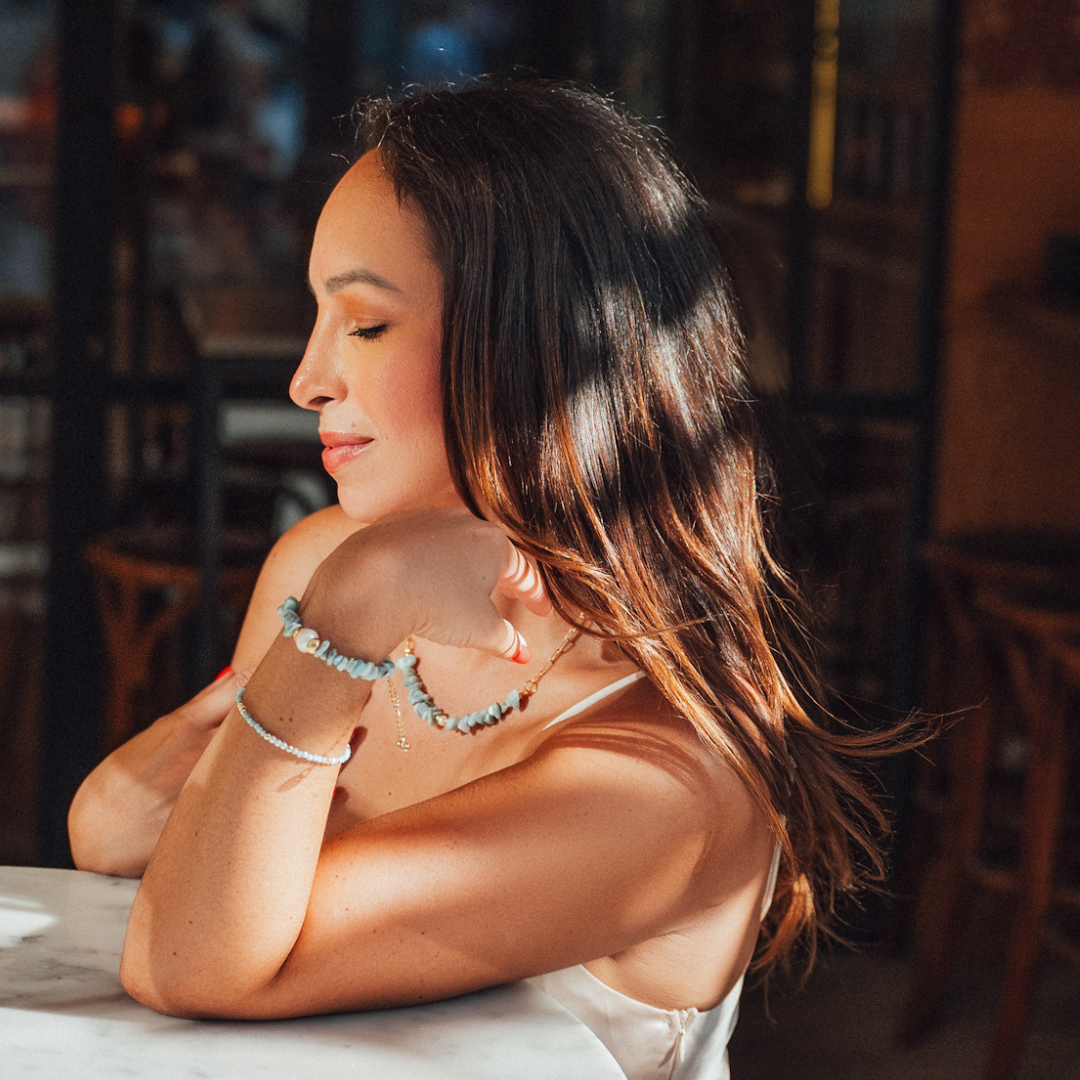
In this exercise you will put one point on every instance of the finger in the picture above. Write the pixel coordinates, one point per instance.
(502, 640)
(216, 687)
(227, 677)
(211, 705)
(507, 644)
(522, 580)
(516, 649)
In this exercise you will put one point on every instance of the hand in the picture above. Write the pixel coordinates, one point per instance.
(160, 758)
(431, 573)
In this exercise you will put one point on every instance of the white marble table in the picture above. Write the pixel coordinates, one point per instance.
(64, 1013)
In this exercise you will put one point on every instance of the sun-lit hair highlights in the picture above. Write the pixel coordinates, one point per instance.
(595, 405)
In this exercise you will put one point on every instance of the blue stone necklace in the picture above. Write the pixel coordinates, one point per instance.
(426, 709)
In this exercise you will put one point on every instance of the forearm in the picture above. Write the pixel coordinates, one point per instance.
(227, 891)
(225, 895)
(120, 809)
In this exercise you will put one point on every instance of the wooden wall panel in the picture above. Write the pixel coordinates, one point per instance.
(1016, 182)
(1009, 444)
(1010, 428)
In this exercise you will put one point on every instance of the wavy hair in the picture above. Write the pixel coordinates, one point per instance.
(595, 404)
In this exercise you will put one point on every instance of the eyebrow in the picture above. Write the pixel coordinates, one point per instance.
(359, 276)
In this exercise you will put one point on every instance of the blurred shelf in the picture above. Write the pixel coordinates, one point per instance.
(875, 225)
(838, 249)
(21, 315)
(777, 76)
(248, 322)
(894, 87)
(766, 222)
(25, 384)
(23, 559)
(859, 405)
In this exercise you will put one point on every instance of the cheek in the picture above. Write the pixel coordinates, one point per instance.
(411, 398)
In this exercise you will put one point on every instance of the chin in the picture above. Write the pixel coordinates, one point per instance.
(361, 507)
(367, 506)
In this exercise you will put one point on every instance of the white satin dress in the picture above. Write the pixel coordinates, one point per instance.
(647, 1042)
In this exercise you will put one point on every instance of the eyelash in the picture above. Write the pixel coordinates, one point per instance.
(369, 333)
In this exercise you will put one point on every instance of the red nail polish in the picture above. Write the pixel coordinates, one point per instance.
(223, 673)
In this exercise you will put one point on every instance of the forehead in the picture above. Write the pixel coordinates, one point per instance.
(364, 225)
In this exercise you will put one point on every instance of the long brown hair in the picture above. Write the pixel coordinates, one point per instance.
(594, 399)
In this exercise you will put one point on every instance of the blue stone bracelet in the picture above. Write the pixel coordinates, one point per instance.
(307, 641)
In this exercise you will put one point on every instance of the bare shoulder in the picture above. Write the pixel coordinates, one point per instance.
(286, 572)
(640, 734)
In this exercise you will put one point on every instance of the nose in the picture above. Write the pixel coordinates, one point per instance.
(317, 381)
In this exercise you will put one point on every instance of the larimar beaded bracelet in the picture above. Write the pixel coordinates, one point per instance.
(307, 641)
(281, 744)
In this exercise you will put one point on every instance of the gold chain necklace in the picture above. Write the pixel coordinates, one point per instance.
(427, 710)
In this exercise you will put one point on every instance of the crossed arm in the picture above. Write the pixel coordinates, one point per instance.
(571, 855)
(583, 850)
(119, 811)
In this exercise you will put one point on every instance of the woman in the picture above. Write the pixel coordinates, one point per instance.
(527, 371)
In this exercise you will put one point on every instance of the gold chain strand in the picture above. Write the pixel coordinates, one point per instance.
(403, 742)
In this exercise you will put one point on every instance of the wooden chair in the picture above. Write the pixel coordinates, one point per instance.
(147, 585)
(1041, 646)
(1009, 632)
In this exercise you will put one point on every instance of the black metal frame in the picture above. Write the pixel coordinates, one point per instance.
(918, 409)
(82, 311)
(908, 677)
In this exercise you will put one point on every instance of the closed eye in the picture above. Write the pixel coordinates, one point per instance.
(369, 333)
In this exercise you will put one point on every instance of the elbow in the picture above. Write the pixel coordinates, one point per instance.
(96, 842)
(89, 853)
(168, 993)
(187, 999)
(81, 833)
(179, 969)
(170, 1000)
(86, 851)
(187, 993)
(99, 861)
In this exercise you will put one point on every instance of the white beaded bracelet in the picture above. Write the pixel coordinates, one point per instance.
(304, 755)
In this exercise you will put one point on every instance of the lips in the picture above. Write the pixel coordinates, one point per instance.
(341, 449)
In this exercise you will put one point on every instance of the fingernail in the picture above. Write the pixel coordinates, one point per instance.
(523, 655)
(224, 673)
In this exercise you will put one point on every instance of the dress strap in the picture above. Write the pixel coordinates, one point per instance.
(770, 885)
(592, 699)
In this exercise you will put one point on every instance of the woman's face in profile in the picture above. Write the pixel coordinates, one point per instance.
(371, 368)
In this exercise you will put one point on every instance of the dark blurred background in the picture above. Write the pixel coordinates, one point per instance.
(896, 182)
